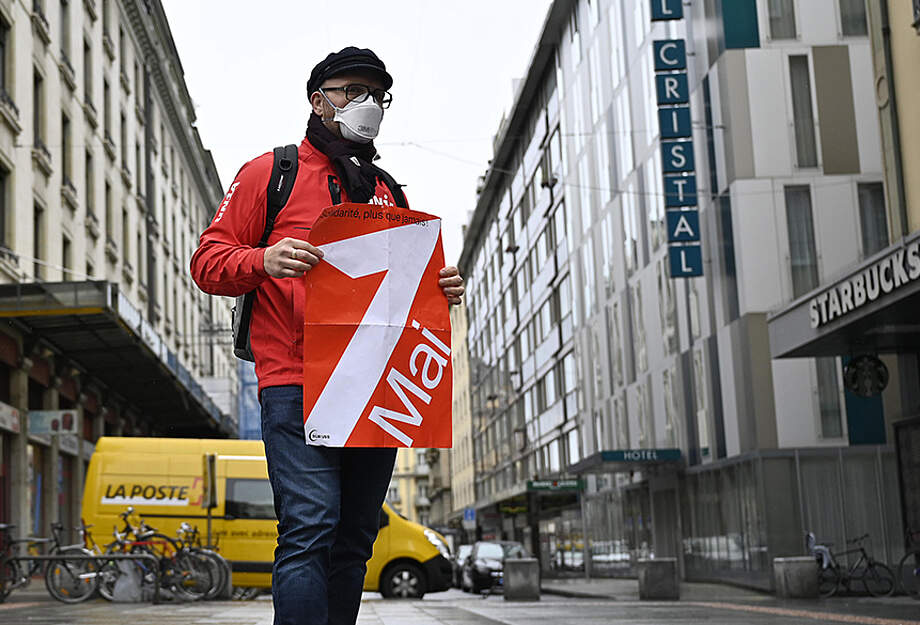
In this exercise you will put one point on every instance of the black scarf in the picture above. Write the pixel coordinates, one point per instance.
(351, 161)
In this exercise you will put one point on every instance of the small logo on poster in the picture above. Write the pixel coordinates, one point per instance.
(316, 436)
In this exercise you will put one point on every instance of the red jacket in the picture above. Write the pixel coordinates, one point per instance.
(227, 261)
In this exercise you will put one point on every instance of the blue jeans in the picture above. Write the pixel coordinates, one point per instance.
(327, 500)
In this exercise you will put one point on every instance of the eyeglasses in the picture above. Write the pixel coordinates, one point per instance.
(356, 92)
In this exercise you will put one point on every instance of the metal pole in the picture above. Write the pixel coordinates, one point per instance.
(586, 551)
(842, 492)
(881, 503)
(798, 479)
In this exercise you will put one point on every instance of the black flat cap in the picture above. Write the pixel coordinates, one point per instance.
(345, 60)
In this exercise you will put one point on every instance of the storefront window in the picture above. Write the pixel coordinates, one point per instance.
(829, 397)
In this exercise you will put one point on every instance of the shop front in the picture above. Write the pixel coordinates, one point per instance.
(558, 512)
(633, 509)
(868, 318)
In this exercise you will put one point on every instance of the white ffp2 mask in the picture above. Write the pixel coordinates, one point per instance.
(358, 121)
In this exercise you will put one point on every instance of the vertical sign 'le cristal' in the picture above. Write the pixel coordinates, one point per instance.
(673, 96)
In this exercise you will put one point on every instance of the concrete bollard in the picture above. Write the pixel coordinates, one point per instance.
(796, 577)
(522, 579)
(658, 579)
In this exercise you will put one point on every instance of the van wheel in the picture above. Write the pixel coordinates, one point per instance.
(403, 580)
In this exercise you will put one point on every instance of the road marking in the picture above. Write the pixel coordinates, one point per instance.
(818, 616)
(14, 606)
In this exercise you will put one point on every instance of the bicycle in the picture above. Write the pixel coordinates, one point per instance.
(909, 566)
(187, 575)
(109, 570)
(70, 580)
(190, 540)
(877, 579)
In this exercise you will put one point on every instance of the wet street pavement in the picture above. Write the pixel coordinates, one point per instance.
(34, 607)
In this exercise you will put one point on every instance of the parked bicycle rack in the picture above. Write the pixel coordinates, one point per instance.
(104, 558)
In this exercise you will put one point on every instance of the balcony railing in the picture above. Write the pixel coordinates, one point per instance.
(41, 156)
(68, 73)
(9, 111)
(40, 22)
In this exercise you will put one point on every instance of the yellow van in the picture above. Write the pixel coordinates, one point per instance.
(164, 480)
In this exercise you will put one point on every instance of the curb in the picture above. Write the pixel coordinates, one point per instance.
(574, 594)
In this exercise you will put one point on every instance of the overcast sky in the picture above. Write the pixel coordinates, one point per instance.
(246, 66)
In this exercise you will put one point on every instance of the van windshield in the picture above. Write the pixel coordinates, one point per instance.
(249, 499)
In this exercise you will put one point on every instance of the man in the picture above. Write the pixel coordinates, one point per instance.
(327, 499)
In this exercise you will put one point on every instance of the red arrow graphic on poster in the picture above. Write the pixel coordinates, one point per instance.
(377, 366)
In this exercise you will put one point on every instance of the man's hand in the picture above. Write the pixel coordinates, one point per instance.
(290, 258)
(452, 284)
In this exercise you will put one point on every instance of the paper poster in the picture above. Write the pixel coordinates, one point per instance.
(377, 365)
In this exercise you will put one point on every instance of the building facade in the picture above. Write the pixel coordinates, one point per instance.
(461, 465)
(104, 187)
(618, 410)
(879, 327)
(408, 493)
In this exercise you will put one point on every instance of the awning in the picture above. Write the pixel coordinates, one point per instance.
(96, 327)
(624, 460)
(872, 309)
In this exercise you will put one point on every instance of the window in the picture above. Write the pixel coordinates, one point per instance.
(702, 413)
(630, 228)
(553, 452)
(4, 54)
(872, 217)
(4, 206)
(589, 291)
(121, 50)
(106, 110)
(38, 242)
(137, 82)
(66, 258)
(139, 250)
(125, 234)
(655, 202)
(123, 139)
(65, 150)
(639, 328)
(616, 346)
(667, 309)
(802, 256)
(65, 30)
(574, 38)
(574, 447)
(803, 118)
(38, 106)
(621, 424)
(644, 416)
(672, 425)
(89, 186)
(87, 73)
(109, 216)
(249, 499)
(828, 397)
(782, 19)
(853, 18)
(138, 169)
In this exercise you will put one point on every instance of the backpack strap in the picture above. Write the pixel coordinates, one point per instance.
(280, 185)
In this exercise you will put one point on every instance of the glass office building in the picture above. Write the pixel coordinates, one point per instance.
(619, 411)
